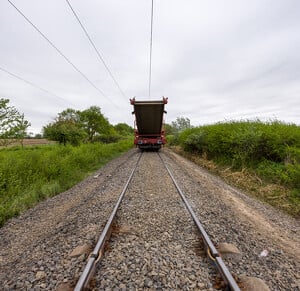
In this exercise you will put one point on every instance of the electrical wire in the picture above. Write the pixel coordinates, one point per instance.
(35, 86)
(96, 50)
(150, 68)
(60, 52)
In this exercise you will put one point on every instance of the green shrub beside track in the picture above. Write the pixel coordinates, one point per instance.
(269, 150)
(34, 173)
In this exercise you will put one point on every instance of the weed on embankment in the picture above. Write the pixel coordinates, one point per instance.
(34, 173)
(263, 156)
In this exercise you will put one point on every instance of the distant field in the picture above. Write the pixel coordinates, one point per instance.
(28, 142)
(35, 141)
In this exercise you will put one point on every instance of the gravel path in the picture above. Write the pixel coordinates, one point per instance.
(147, 250)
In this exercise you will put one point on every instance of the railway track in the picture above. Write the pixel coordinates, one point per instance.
(154, 243)
(148, 225)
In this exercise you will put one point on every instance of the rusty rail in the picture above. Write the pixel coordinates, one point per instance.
(210, 248)
(98, 251)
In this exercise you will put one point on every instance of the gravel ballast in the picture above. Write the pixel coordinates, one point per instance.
(158, 249)
(154, 244)
(268, 239)
(36, 248)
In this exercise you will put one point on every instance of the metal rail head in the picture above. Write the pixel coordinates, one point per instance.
(98, 251)
(211, 249)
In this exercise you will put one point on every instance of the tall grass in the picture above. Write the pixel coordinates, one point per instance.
(34, 173)
(270, 149)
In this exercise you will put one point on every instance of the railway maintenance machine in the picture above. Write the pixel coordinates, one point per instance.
(148, 125)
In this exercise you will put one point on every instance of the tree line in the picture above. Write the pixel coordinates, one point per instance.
(74, 126)
(90, 125)
(69, 126)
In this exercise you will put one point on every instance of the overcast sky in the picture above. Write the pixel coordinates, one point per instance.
(214, 60)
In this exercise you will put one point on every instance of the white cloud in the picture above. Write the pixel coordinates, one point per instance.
(213, 59)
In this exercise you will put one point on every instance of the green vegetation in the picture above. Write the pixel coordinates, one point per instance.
(34, 173)
(124, 129)
(75, 127)
(173, 130)
(269, 150)
(13, 125)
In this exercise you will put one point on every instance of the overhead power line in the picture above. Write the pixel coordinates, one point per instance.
(96, 50)
(35, 86)
(60, 52)
(151, 33)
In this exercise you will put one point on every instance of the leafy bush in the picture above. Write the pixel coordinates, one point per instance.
(269, 150)
(108, 138)
(172, 139)
(123, 129)
(272, 148)
(196, 142)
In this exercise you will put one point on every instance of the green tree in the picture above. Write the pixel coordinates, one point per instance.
(38, 136)
(180, 124)
(21, 129)
(123, 129)
(74, 126)
(64, 131)
(169, 130)
(70, 115)
(66, 128)
(13, 125)
(94, 123)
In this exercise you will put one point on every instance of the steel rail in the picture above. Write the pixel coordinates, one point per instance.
(210, 248)
(98, 251)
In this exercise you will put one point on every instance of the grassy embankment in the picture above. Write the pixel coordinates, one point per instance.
(261, 158)
(34, 173)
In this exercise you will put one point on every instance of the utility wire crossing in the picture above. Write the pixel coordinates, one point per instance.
(151, 33)
(35, 86)
(60, 52)
(96, 50)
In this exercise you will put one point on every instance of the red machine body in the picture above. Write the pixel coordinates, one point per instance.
(148, 129)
